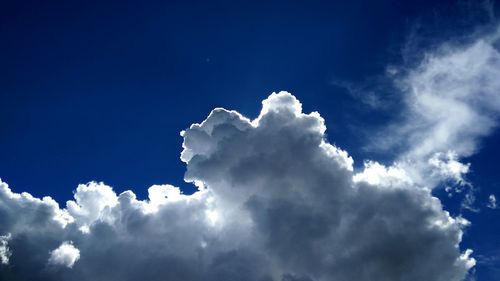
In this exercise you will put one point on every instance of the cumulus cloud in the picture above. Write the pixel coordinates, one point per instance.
(276, 201)
(64, 255)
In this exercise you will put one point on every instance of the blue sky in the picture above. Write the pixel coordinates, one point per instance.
(100, 91)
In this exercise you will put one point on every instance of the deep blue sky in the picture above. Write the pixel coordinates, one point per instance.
(99, 91)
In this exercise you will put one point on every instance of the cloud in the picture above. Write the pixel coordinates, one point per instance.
(453, 98)
(447, 166)
(276, 201)
(65, 255)
(450, 101)
(492, 202)
(4, 249)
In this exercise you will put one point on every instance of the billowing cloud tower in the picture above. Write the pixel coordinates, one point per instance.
(276, 201)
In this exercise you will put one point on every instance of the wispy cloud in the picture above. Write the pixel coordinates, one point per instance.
(450, 101)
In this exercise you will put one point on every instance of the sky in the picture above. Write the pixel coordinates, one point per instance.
(353, 135)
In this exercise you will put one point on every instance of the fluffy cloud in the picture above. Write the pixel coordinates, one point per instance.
(4, 249)
(276, 201)
(65, 255)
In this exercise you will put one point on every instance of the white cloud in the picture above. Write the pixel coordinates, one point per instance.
(4, 249)
(492, 202)
(379, 175)
(65, 255)
(451, 100)
(277, 201)
(92, 202)
(447, 166)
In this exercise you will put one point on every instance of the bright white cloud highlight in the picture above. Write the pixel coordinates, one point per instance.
(492, 201)
(447, 166)
(65, 255)
(4, 249)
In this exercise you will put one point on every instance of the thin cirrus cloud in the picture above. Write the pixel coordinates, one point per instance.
(276, 200)
(452, 100)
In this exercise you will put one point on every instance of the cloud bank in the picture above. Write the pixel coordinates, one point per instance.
(276, 201)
